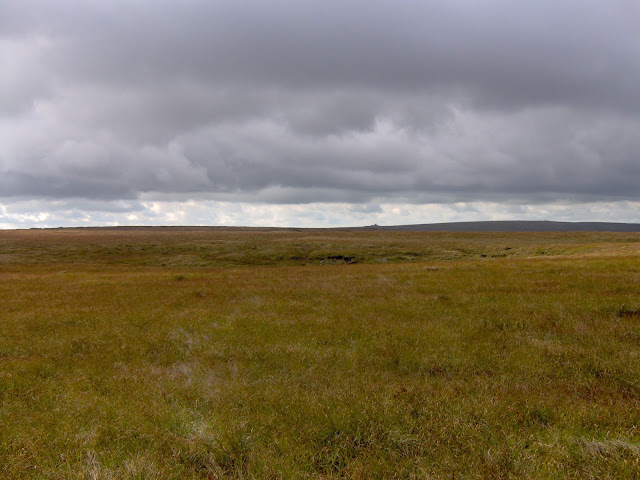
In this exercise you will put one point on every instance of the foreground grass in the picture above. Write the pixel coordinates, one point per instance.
(504, 367)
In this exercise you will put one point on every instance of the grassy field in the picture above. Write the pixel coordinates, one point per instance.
(231, 353)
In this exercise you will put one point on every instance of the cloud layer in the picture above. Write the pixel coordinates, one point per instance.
(282, 102)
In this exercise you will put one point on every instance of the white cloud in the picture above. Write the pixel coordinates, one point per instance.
(157, 212)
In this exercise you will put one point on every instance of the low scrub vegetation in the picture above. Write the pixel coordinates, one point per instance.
(227, 353)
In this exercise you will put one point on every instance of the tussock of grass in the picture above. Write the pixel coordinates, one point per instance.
(523, 366)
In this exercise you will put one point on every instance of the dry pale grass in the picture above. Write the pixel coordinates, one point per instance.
(434, 356)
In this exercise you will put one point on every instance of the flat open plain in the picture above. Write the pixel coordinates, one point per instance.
(280, 353)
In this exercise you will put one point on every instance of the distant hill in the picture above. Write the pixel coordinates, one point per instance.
(515, 226)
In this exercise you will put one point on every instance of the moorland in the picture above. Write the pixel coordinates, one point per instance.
(284, 353)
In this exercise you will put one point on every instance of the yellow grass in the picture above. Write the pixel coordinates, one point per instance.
(228, 353)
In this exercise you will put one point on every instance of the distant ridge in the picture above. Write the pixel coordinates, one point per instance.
(515, 226)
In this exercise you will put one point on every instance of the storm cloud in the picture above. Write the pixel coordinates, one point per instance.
(288, 103)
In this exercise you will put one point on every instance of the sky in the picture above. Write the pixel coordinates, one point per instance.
(318, 114)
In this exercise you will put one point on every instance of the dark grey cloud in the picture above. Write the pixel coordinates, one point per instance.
(516, 52)
(290, 102)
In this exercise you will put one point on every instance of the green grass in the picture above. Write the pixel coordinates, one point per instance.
(427, 355)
